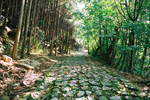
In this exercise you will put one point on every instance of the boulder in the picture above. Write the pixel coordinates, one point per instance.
(7, 58)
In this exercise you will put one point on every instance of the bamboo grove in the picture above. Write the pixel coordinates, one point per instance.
(118, 33)
(36, 23)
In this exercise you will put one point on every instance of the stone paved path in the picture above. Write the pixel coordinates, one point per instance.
(77, 79)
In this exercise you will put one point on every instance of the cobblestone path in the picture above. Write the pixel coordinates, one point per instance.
(74, 78)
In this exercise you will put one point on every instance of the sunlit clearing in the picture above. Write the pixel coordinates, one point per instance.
(80, 6)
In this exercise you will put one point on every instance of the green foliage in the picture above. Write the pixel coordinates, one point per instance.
(113, 33)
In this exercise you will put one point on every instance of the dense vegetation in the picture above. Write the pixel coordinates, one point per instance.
(118, 33)
(36, 24)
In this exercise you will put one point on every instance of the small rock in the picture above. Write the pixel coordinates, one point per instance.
(99, 93)
(131, 86)
(81, 81)
(105, 88)
(124, 93)
(128, 98)
(82, 98)
(115, 98)
(54, 98)
(71, 93)
(56, 89)
(81, 93)
(54, 94)
(64, 83)
(85, 83)
(88, 92)
(95, 88)
(90, 98)
(105, 83)
(102, 98)
(137, 98)
(84, 88)
(66, 89)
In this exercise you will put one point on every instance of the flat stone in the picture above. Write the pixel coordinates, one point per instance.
(133, 94)
(88, 75)
(73, 84)
(124, 93)
(108, 94)
(129, 98)
(123, 80)
(115, 98)
(84, 88)
(81, 93)
(66, 79)
(81, 77)
(105, 83)
(71, 93)
(95, 88)
(75, 88)
(90, 98)
(56, 89)
(137, 98)
(93, 82)
(81, 81)
(131, 86)
(95, 76)
(88, 92)
(82, 98)
(114, 89)
(99, 93)
(97, 79)
(102, 98)
(66, 89)
(54, 94)
(105, 88)
(73, 81)
(85, 83)
(64, 83)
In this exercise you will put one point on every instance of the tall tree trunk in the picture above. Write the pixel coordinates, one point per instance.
(36, 22)
(24, 21)
(57, 31)
(131, 43)
(31, 31)
(18, 29)
(12, 11)
(26, 28)
(54, 27)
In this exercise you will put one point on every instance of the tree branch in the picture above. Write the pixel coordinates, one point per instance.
(140, 6)
(128, 11)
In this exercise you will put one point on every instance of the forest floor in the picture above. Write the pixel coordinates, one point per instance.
(69, 77)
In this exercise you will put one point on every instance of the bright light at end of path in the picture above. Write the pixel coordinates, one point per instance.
(80, 6)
